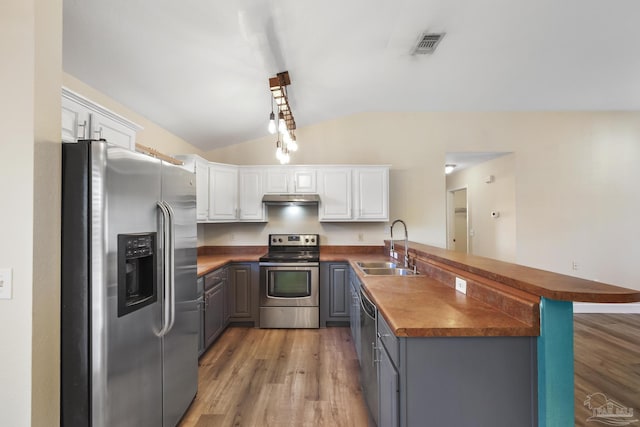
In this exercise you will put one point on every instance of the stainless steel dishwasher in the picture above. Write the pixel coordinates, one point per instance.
(368, 367)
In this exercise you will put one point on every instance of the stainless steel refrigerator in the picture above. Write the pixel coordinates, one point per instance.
(129, 314)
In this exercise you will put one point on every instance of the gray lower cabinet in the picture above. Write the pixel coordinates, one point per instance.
(388, 400)
(214, 313)
(456, 381)
(230, 295)
(215, 305)
(335, 293)
(243, 292)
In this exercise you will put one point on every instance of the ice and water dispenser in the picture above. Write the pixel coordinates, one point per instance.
(137, 271)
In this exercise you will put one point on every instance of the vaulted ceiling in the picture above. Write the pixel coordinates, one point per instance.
(200, 68)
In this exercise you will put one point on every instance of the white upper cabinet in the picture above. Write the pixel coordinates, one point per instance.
(75, 121)
(290, 179)
(372, 193)
(304, 181)
(229, 193)
(223, 192)
(200, 167)
(104, 127)
(335, 194)
(277, 180)
(202, 189)
(358, 193)
(84, 119)
(250, 192)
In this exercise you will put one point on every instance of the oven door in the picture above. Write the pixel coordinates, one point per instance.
(289, 284)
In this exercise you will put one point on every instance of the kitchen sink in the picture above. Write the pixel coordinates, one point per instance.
(389, 272)
(376, 264)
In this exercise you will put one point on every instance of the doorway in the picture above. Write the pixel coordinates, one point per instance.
(458, 220)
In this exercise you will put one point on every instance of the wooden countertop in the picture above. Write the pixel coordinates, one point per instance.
(211, 258)
(419, 306)
(422, 306)
(532, 280)
(412, 306)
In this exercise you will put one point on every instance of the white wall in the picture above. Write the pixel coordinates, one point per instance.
(30, 79)
(491, 237)
(575, 178)
(16, 187)
(578, 200)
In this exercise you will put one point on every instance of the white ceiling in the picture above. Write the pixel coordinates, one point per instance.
(200, 68)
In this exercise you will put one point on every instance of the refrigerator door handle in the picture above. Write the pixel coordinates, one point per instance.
(172, 264)
(166, 309)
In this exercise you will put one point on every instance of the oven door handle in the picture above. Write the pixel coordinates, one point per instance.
(290, 264)
(288, 298)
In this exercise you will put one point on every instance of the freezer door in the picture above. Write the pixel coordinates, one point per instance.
(180, 344)
(126, 351)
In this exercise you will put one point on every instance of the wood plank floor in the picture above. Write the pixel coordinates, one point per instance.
(308, 377)
(607, 360)
(279, 377)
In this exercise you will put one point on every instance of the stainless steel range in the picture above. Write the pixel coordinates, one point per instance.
(289, 282)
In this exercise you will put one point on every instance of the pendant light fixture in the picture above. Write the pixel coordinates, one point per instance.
(286, 123)
(272, 119)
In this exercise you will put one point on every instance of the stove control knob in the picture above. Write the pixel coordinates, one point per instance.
(306, 240)
(313, 240)
(280, 240)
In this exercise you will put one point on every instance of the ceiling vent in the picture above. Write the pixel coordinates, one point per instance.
(427, 43)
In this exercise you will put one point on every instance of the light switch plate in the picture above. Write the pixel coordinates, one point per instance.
(5, 283)
(461, 285)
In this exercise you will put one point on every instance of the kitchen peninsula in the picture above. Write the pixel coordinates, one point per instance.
(513, 319)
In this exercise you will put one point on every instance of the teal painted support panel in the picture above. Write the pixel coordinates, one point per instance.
(555, 364)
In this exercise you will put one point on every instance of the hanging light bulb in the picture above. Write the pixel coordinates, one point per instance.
(286, 138)
(272, 123)
(279, 152)
(282, 125)
(272, 118)
(293, 144)
(285, 158)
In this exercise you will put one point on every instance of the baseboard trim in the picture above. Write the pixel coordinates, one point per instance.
(585, 307)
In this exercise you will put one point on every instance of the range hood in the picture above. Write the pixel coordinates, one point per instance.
(290, 199)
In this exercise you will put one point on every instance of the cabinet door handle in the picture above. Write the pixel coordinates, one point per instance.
(374, 360)
(83, 127)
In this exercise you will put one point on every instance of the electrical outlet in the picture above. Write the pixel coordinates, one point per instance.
(5, 283)
(461, 285)
(360, 237)
(574, 265)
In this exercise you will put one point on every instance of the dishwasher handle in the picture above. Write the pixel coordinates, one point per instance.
(367, 306)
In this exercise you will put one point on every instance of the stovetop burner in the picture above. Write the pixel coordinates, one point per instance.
(293, 248)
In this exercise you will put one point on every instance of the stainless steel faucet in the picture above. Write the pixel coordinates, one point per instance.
(406, 242)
